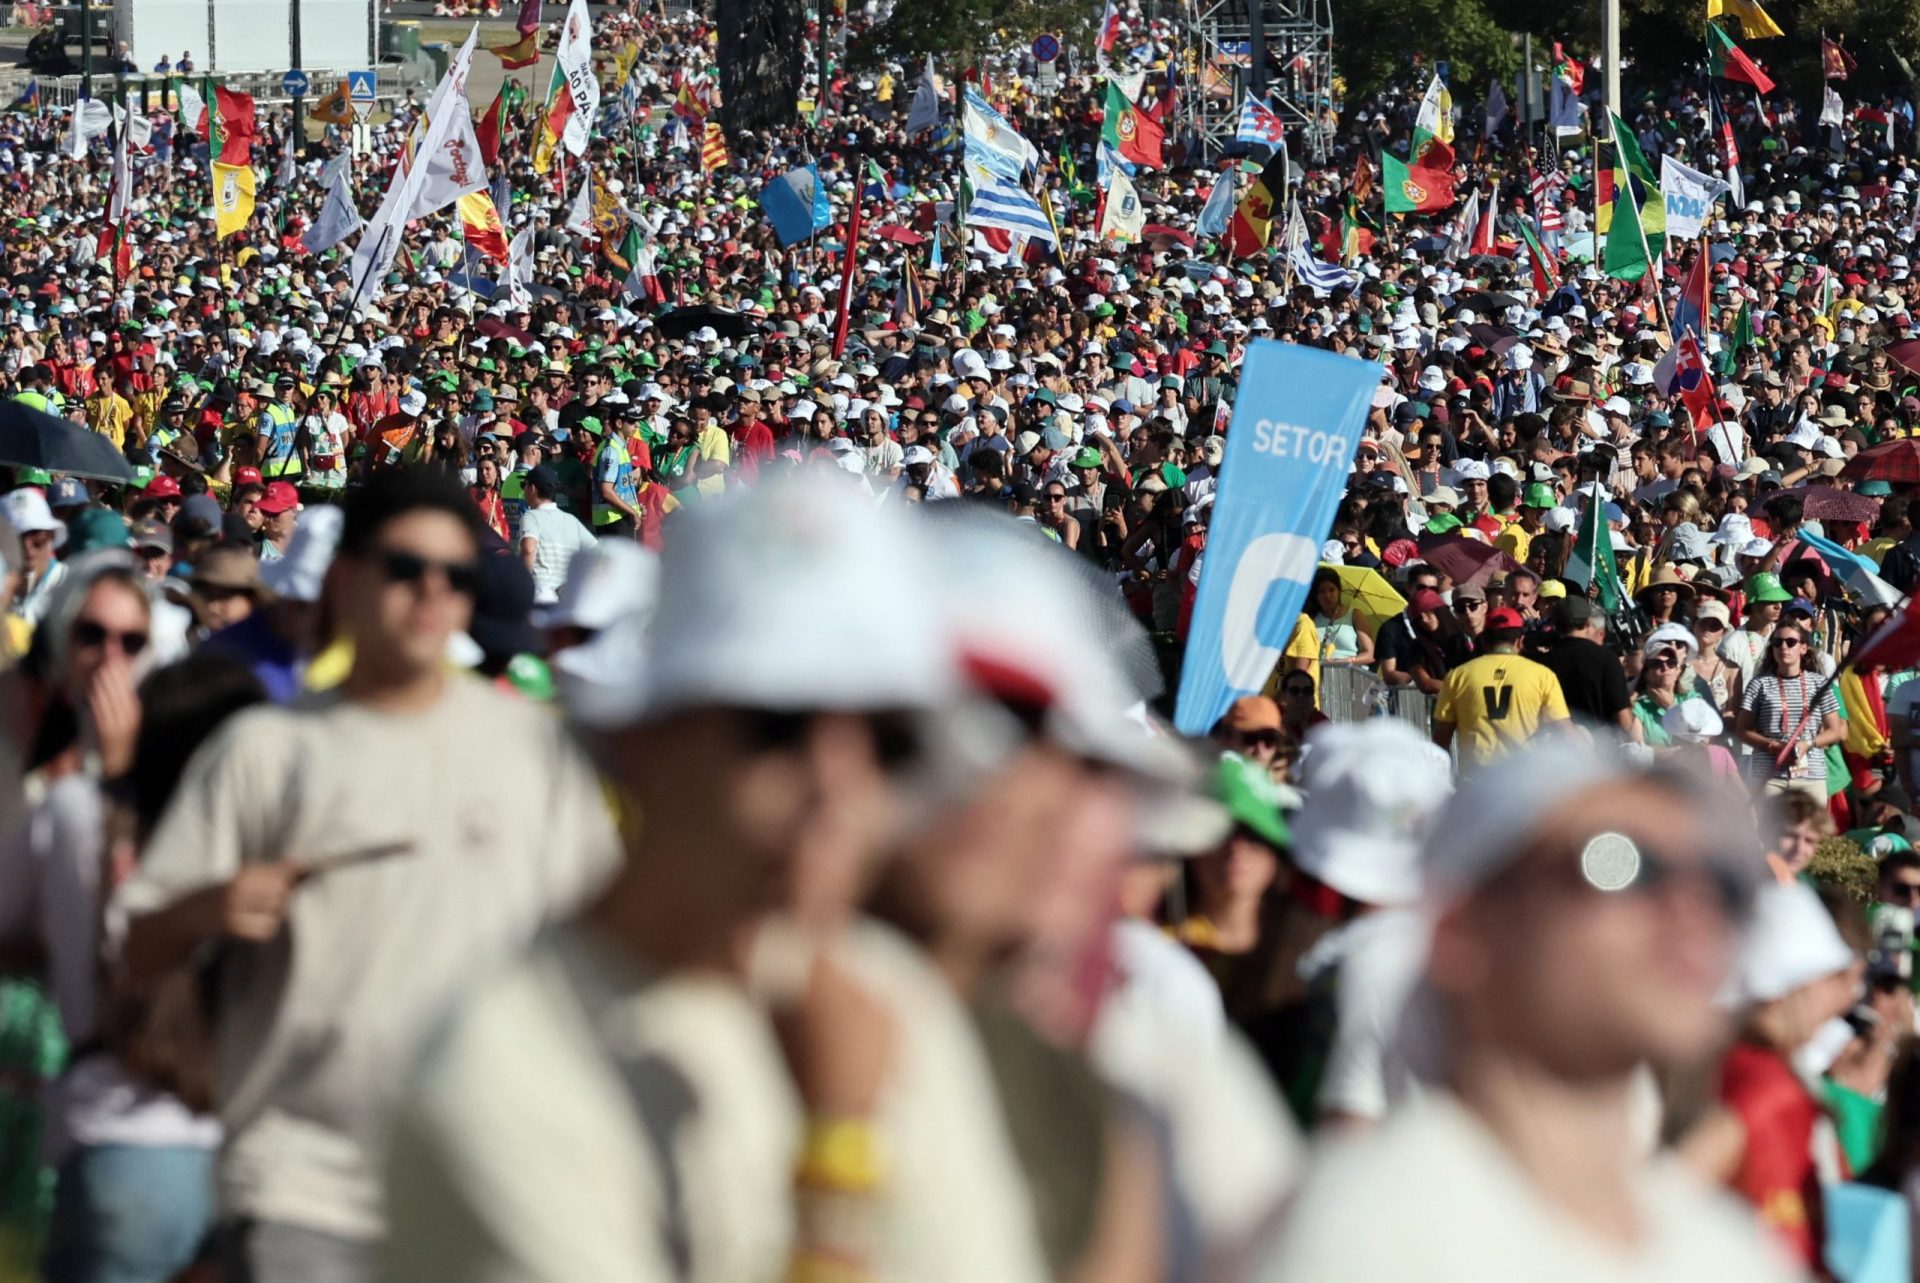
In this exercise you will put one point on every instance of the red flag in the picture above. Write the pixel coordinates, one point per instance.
(487, 132)
(231, 116)
(1895, 645)
(1692, 379)
(529, 19)
(1482, 232)
(846, 277)
(524, 52)
(480, 224)
(1835, 62)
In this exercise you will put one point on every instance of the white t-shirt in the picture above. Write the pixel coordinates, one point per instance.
(1432, 1196)
(560, 535)
(1381, 957)
(317, 1029)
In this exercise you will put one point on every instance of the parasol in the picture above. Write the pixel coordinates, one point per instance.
(31, 438)
(1366, 592)
(1825, 503)
(1470, 563)
(1896, 461)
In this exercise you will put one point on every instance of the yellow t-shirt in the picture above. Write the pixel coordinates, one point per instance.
(1876, 548)
(1497, 702)
(715, 447)
(1515, 542)
(1303, 643)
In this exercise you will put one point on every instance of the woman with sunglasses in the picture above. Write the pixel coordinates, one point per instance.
(1713, 677)
(1788, 716)
(1666, 679)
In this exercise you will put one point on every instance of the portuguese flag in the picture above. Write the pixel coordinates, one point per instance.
(228, 125)
(1725, 59)
(1130, 131)
(1414, 190)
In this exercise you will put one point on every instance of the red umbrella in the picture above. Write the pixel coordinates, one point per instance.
(1824, 503)
(1159, 236)
(1897, 461)
(1906, 355)
(1468, 562)
(905, 235)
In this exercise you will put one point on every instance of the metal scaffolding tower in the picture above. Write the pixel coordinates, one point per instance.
(1298, 37)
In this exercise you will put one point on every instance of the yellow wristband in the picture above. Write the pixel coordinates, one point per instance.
(841, 1154)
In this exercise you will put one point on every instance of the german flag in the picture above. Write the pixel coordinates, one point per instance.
(1252, 224)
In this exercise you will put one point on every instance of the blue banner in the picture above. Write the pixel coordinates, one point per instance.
(1296, 422)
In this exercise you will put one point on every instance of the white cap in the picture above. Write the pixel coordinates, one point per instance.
(26, 510)
(614, 580)
(770, 598)
(611, 589)
(1791, 942)
(1734, 528)
(1471, 470)
(413, 402)
(1675, 635)
(1372, 789)
(301, 574)
(1692, 721)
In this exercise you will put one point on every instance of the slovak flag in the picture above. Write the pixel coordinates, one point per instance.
(1692, 313)
(1682, 372)
(1258, 124)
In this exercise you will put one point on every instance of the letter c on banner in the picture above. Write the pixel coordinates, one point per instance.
(1247, 660)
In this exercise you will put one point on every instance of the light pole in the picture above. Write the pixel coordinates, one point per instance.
(86, 49)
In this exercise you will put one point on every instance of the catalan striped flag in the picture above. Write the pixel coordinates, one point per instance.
(713, 149)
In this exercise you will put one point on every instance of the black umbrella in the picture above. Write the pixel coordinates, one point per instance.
(31, 438)
(726, 323)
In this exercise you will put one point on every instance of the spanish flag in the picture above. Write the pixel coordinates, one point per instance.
(232, 197)
(1252, 223)
(480, 225)
(523, 52)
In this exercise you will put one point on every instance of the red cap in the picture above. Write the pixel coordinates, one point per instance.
(1507, 618)
(163, 488)
(246, 476)
(280, 497)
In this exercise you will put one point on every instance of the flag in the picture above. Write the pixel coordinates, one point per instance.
(878, 185)
(1481, 231)
(1591, 566)
(1130, 131)
(457, 166)
(1835, 62)
(643, 277)
(1252, 223)
(688, 104)
(1460, 235)
(1742, 336)
(1729, 149)
(524, 52)
(575, 92)
(1755, 24)
(1569, 68)
(28, 98)
(580, 213)
(1545, 278)
(1627, 252)
(927, 103)
(1121, 214)
(193, 108)
(995, 203)
(1258, 124)
(1412, 189)
(1687, 197)
(1322, 278)
(1630, 179)
(1833, 111)
(528, 18)
(1109, 30)
(911, 298)
(1497, 109)
(1691, 312)
(713, 148)
(1725, 59)
(1563, 107)
(338, 219)
(1433, 128)
(990, 141)
(334, 109)
(1545, 188)
(113, 244)
(1682, 372)
(849, 261)
(232, 197)
(228, 125)
(480, 226)
(487, 132)
(1217, 213)
(1362, 187)
(795, 204)
(1892, 646)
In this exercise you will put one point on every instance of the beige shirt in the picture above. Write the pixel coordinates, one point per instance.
(503, 827)
(1432, 1196)
(587, 1121)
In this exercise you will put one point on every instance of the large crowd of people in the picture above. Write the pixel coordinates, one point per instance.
(596, 769)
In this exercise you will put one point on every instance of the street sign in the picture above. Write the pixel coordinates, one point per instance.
(1046, 48)
(360, 91)
(295, 83)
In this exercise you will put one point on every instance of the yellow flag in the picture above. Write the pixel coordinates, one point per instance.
(232, 197)
(1755, 22)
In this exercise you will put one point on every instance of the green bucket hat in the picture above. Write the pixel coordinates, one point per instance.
(1764, 587)
(1252, 799)
(1539, 495)
(1088, 457)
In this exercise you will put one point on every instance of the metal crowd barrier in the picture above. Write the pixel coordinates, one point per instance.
(1350, 694)
(392, 81)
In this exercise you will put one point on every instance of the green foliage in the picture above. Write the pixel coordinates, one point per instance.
(959, 32)
(1376, 41)
(1839, 862)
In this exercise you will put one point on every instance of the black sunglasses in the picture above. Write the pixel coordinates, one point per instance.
(411, 568)
(86, 632)
(1296, 690)
(1785, 643)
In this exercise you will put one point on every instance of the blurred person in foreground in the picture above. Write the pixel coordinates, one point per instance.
(1585, 912)
(344, 865)
(719, 1072)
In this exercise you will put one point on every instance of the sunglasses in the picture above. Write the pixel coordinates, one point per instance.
(1786, 643)
(1468, 603)
(1709, 626)
(400, 567)
(1301, 691)
(1265, 738)
(87, 632)
(1663, 661)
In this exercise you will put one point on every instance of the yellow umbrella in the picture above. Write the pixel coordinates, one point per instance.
(1366, 592)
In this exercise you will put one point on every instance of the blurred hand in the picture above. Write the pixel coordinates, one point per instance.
(840, 1042)
(113, 707)
(255, 905)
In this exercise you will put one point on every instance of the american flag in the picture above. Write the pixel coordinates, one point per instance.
(1546, 188)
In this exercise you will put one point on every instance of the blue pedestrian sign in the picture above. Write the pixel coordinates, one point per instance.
(295, 83)
(360, 87)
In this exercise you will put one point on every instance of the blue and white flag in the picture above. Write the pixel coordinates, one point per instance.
(1324, 278)
(1005, 204)
(796, 204)
(1258, 124)
(339, 218)
(1218, 211)
(1688, 196)
(1296, 422)
(993, 142)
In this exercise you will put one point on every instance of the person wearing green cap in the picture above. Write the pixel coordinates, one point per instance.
(1228, 884)
(1746, 647)
(1517, 539)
